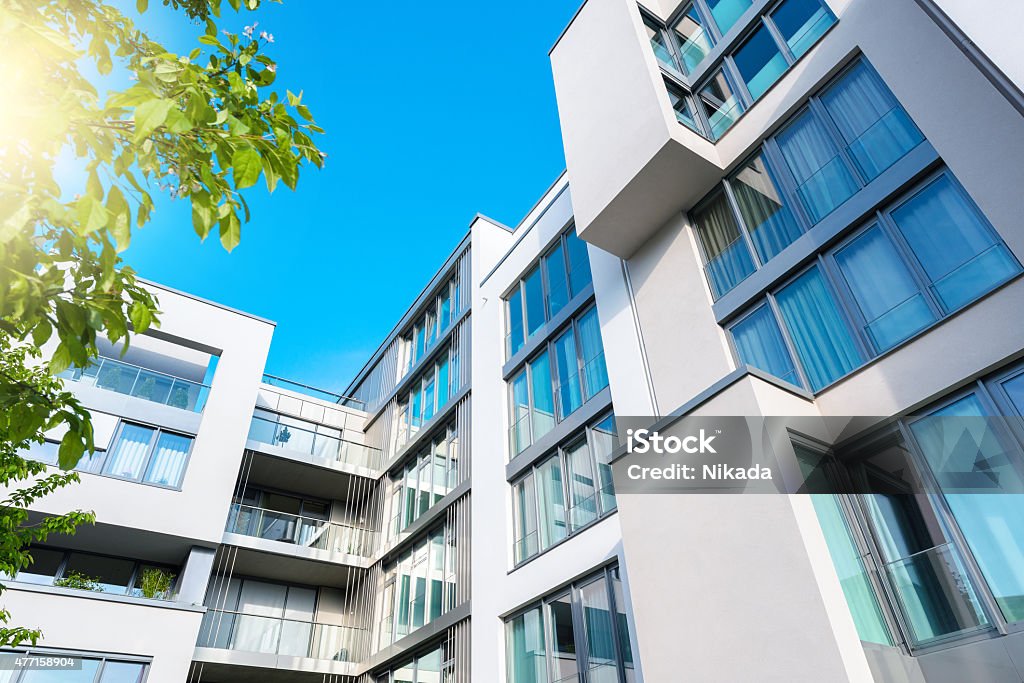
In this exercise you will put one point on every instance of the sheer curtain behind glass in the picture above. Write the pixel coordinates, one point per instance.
(823, 181)
(128, 456)
(168, 463)
(770, 222)
(728, 259)
(595, 374)
(759, 343)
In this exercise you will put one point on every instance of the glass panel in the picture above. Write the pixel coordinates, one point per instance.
(541, 384)
(579, 262)
(965, 453)
(526, 658)
(105, 574)
(128, 456)
(515, 321)
(818, 331)
(759, 343)
(43, 568)
(604, 442)
(582, 485)
(1015, 391)
(952, 242)
(534, 289)
(524, 498)
(551, 501)
(168, 463)
(801, 23)
(563, 643)
(769, 221)
(728, 258)
(520, 430)
(721, 106)
(87, 674)
(695, 42)
(566, 363)
(823, 181)
(557, 280)
(760, 62)
(727, 12)
(661, 49)
(885, 291)
(595, 374)
(601, 633)
(405, 674)
(622, 627)
(683, 109)
(443, 390)
(874, 125)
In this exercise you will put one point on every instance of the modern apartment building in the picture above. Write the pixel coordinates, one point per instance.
(795, 208)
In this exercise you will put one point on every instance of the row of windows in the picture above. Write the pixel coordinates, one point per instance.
(428, 395)
(431, 325)
(916, 262)
(554, 383)
(16, 666)
(435, 666)
(99, 573)
(840, 141)
(580, 473)
(561, 273)
(580, 634)
(927, 570)
(426, 479)
(419, 588)
(778, 40)
(139, 453)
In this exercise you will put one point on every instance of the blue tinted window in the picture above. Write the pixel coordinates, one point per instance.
(760, 63)
(759, 343)
(728, 259)
(769, 221)
(823, 181)
(721, 106)
(801, 23)
(695, 41)
(579, 262)
(727, 12)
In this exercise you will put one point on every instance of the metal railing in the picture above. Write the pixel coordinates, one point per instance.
(326, 447)
(137, 381)
(314, 392)
(297, 530)
(229, 630)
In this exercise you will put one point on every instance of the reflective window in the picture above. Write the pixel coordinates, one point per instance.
(695, 43)
(823, 180)
(759, 343)
(767, 217)
(721, 106)
(727, 258)
(760, 62)
(801, 23)
(727, 12)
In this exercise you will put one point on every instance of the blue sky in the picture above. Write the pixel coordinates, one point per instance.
(433, 112)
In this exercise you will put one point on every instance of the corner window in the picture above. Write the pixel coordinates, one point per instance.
(98, 573)
(142, 454)
(720, 104)
(695, 42)
(726, 256)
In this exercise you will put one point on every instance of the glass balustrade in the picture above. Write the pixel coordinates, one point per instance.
(307, 532)
(229, 630)
(134, 380)
(324, 447)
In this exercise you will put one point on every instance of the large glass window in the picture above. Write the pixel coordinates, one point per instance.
(727, 258)
(589, 635)
(760, 62)
(87, 669)
(426, 479)
(801, 23)
(660, 45)
(142, 454)
(759, 343)
(823, 180)
(721, 106)
(682, 105)
(768, 219)
(543, 409)
(695, 43)
(727, 12)
(431, 326)
(428, 395)
(565, 492)
(91, 572)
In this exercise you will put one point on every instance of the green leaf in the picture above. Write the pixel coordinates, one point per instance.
(150, 115)
(72, 448)
(61, 360)
(141, 5)
(120, 224)
(230, 231)
(141, 316)
(246, 166)
(304, 112)
(91, 214)
(204, 214)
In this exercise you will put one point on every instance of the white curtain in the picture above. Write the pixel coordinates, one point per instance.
(168, 463)
(128, 456)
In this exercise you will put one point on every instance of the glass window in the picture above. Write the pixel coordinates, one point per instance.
(683, 108)
(563, 640)
(543, 400)
(721, 106)
(769, 221)
(516, 339)
(876, 129)
(821, 337)
(551, 502)
(87, 674)
(604, 442)
(122, 672)
(1014, 388)
(801, 23)
(128, 456)
(887, 295)
(579, 262)
(557, 279)
(961, 256)
(695, 42)
(525, 506)
(566, 363)
(582, 485)
(112, 575)
(520, 431)
(534, 289)
(526, 648)
(43, 568)
(727, 12)
(759, 343)
(168, 463)
(659, 44)
(600, 629)
(823, 181)
(760, 62)
(595, 374)
(728, 258)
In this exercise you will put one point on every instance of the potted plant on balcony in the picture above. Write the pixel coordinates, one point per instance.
(156, 583)
(145, 388)
(78, 581)
(283, 436)
(178, 398)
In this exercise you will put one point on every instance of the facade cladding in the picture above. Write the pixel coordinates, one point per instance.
(779, 208)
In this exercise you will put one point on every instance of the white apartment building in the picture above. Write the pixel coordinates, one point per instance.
(793, 208)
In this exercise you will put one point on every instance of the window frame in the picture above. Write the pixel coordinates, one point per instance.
(137, 567)
(150, 452)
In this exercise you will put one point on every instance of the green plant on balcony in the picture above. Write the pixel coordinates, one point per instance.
(78, 581)
(178, 398)
(146, 388)
(283, 436)
(156, 583)
(110, 377)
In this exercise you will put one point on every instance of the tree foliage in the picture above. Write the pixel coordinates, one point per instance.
(201, 127)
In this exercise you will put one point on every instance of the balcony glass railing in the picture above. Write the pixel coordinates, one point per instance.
(326, 447)
(229, 630)
(313, 392)
(133, 380)
(296, 530)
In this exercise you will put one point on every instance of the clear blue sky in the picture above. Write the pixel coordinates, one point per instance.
(433, 111)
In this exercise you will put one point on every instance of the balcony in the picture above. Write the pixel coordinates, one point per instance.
(313, 392)
(268, 635)
(139, 382)
(300, 532)
(324, 449)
